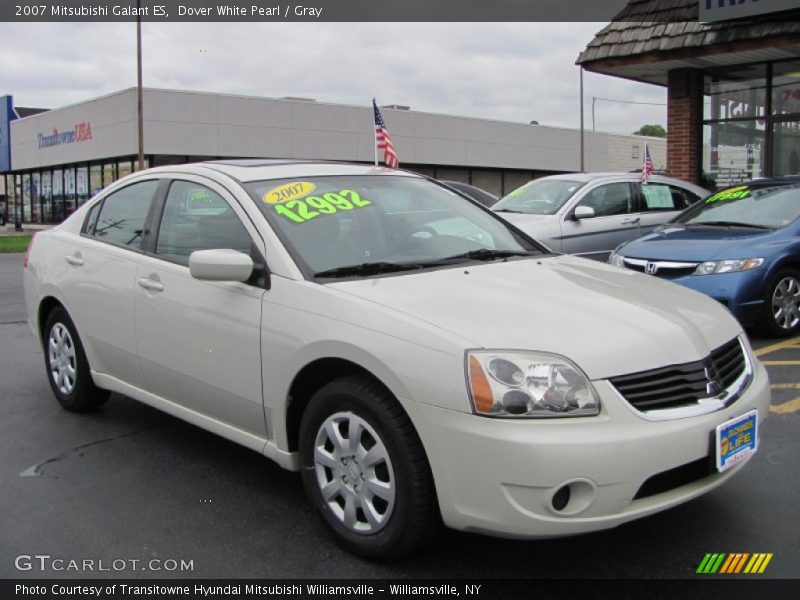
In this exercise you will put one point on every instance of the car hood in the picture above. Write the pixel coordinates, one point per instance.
(696, 244)
(609, 321)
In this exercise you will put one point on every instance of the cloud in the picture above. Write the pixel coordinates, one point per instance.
(507, 71)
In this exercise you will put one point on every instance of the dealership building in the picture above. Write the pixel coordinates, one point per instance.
(56, 159)
(732, 74)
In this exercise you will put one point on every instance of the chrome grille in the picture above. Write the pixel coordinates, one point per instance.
(686, 384)
(666, 269)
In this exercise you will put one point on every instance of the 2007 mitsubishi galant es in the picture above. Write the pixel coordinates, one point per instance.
(416, 358)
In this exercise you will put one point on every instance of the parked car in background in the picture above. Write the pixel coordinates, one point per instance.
(741, 246)
(590, 214)
(313, 313)
(473, 192)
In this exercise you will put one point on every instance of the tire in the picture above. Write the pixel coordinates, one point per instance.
(781, 316)
(66, 365)
(384, 507)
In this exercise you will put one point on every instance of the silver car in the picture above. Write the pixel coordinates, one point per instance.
(332, 318)
(592, 213)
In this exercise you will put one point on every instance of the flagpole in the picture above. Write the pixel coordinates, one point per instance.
(374, 133)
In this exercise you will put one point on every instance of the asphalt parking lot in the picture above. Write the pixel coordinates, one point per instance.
(128, 482)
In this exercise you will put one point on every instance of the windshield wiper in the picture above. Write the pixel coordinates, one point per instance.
(729, 224)
(511, 210)
(365, 269)
(486, 254)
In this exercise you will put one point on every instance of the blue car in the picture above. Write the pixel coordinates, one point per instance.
(741, 246)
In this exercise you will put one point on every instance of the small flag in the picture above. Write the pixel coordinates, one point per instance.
(383, 141)
(647, 165)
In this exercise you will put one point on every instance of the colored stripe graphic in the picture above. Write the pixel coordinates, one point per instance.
(758, 563)
(734, 563)
(711, 563)
(728, 564)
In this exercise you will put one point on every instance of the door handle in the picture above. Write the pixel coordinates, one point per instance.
(75, 259)
(151, 284)
(630, 220)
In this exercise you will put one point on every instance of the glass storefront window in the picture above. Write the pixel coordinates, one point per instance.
(491, 181)
(36, 198)
(786, 88)
(733, 152)
(125, 167)
(25, 189)
(46, 193)
(69, 191)
(109, 174)
(82, 184)
(514, 179)
(58, 196)
(95, 179)
(736, 93)
(786, 148)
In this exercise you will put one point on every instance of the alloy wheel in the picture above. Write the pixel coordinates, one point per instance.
(62, 359)
(786, 303)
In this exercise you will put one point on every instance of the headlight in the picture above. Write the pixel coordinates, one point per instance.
(728, 266)
(528, 384)
(616, 260)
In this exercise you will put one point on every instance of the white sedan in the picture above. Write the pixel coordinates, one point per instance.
(333, 318)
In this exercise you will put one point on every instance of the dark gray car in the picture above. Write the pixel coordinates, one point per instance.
(592, 213)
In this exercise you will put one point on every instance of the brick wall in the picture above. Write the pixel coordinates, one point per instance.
(684, 123)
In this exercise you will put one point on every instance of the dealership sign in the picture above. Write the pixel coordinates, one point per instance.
(80, 133)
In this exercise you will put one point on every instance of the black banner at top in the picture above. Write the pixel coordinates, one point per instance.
(321, 10)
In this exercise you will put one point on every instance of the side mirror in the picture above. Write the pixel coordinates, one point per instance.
(220, 265)
(583, 212)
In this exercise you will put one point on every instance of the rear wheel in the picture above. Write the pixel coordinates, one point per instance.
(781, 317)
(365, 471)
(66, 364)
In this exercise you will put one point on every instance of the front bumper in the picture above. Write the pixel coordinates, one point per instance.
(742, 293)
(500, 476)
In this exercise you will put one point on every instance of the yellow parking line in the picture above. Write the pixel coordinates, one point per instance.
(793, 342)
(785, 386)
(779, 363)
(786, 407)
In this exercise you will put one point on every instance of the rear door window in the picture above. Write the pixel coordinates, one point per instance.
(123, 214)
(660, 197)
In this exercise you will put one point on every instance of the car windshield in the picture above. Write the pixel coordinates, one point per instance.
(339, 226)
(539, 197)
(768, 207)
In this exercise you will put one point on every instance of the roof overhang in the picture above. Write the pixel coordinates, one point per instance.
(654, 67)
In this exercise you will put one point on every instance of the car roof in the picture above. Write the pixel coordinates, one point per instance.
(246, 170)
(767, 182)
(627, 175)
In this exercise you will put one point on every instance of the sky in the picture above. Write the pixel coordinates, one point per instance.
(507, 71)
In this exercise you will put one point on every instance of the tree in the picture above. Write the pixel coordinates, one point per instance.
(652, 131)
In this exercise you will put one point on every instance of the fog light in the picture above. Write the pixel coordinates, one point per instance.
(561, 498)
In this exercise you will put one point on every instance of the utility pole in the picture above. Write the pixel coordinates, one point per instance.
(139, 102)
(582, 136)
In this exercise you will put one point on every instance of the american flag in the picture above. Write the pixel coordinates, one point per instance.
(647, 165)
(383, 141)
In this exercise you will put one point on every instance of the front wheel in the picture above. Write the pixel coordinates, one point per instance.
(781, 317)
(66, 364)
(365, 471)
